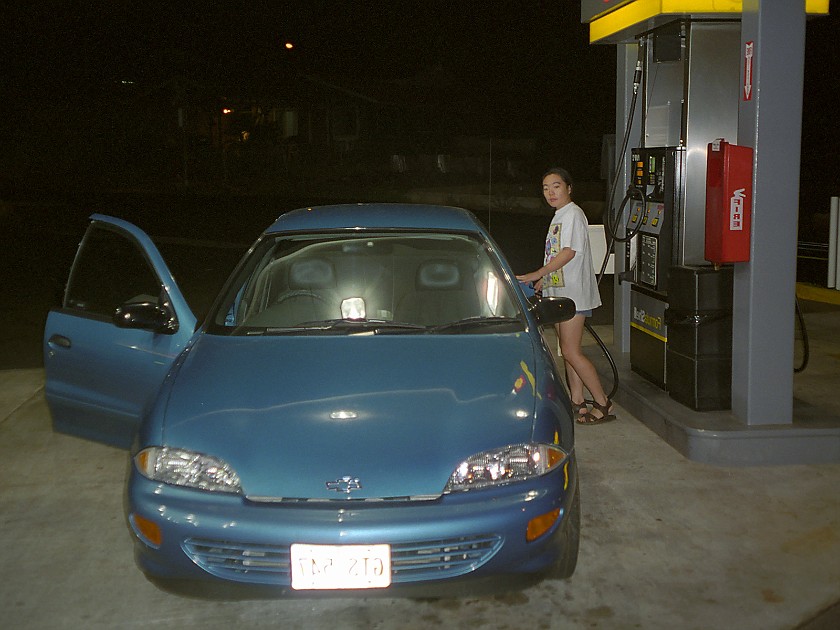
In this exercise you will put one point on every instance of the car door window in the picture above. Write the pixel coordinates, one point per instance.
(110, 270)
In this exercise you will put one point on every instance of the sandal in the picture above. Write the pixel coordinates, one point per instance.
(581, 408)
(606, 415)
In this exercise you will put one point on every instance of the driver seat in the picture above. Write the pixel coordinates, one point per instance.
(312, 292)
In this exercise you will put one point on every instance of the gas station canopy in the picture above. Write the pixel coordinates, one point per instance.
(621, 21)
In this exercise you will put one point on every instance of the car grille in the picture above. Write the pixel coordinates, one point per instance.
(410, 562)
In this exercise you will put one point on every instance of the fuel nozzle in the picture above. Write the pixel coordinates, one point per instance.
(637, 75)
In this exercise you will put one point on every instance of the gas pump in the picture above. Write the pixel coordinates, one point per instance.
(680, 306)
(681, 314)
(658, 174)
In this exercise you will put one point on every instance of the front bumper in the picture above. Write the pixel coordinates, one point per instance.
(226, 538)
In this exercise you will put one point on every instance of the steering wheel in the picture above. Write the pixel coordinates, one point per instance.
(299, 293)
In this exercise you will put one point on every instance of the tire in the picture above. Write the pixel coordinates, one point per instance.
(570, 544)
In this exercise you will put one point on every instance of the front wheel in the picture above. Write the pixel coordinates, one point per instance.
(570, 544)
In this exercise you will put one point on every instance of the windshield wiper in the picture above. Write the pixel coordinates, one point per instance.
(479, 322)
(349, 326)
(273, 330)
(385, 327)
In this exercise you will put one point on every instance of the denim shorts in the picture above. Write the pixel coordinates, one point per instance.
(584, 313)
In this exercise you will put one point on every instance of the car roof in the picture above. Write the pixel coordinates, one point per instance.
(376, 216)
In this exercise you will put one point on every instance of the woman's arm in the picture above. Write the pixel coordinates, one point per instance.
(562, 258)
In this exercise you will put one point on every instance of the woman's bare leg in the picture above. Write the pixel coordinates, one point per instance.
(579, 369)
(575, 383)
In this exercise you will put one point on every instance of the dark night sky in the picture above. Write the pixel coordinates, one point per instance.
(526, 65)
(531, 54)
(232, 39)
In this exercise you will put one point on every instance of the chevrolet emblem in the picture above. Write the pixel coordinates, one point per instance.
(345, 484)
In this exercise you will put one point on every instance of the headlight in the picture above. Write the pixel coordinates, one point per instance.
(505, 465)
(185, 468)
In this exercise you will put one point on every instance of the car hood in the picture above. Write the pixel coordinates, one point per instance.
(398, 413)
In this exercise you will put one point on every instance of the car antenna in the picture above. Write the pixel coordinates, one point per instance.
(490, 188)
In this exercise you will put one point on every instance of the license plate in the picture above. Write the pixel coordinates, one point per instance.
(325, 567)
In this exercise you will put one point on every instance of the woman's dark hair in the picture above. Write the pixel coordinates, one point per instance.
(562, 173)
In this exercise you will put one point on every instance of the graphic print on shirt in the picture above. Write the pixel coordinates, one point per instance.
(552, 248)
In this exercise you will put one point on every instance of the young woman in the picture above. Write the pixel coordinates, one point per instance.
(568, 272)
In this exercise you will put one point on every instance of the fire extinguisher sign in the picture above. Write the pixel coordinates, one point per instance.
(736, 210)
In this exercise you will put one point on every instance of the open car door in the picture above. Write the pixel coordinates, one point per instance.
(122, 323)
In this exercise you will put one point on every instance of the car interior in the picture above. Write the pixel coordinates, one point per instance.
(412, 280)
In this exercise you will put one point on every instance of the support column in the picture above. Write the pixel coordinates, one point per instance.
(770, 121)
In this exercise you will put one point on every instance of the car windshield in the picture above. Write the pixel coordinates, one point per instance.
(383, 283)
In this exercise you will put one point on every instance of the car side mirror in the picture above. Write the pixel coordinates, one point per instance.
(550, 311)
(146, 316)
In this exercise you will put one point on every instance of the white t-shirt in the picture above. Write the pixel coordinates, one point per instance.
(576, 279)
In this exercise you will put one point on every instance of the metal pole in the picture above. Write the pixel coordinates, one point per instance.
(769, 120)
(833, 240)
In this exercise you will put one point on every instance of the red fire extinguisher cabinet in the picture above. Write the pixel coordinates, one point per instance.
(729, 196)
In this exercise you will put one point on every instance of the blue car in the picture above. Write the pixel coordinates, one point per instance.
(369, 404)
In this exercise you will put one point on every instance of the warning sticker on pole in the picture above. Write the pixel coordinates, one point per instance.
(748, 70)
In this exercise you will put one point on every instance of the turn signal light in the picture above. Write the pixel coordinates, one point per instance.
(147, 530)
(541, 524)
